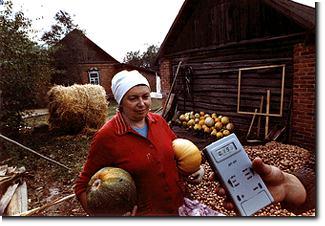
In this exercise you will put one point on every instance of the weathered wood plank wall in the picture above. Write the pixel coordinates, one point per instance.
(214, 81)
(230, 21)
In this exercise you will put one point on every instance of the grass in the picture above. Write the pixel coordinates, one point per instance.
(37, 120)
(156, 104)
(111, 109)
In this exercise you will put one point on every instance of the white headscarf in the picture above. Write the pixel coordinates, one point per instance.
(123, 81)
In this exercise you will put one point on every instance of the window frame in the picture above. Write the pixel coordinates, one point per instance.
(94, 77)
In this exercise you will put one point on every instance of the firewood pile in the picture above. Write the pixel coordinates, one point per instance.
(13, 191)
(287, 157)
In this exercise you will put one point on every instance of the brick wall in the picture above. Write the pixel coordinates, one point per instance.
(106, 72)
(165, 71)
(303, 122)
(151, 79)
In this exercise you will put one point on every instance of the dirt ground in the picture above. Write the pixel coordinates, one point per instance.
(47, 181)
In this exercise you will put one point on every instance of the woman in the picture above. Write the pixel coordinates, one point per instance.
(139, 142)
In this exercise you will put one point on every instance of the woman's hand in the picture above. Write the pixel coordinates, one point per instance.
(134, 211)
(83, 201)
(196, 177)
(282, 186)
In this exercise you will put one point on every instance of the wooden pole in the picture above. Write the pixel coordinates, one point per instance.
(171, 88)
(47, 205)
(6, 197)
(238, 90)
(259, 117)
(19, 201)
(282, 90)
(260, 67)
(251, 125)
(267, 118)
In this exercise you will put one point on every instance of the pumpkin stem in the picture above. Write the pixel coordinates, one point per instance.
(96, 184)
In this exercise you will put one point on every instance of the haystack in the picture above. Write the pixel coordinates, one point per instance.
(76, 107)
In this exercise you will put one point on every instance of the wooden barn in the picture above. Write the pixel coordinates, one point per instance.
(247, 59)
(81, 61)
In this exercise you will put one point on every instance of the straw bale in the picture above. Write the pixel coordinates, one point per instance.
(76, 107)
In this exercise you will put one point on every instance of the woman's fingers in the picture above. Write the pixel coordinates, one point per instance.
(221, 191)
(228, 204)
(134, 211)
(212, 177)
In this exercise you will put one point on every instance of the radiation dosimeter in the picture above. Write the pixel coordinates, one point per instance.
(232, 165)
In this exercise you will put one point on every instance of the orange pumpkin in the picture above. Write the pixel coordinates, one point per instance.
(187, 154)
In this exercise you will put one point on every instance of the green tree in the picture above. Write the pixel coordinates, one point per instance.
(133, 58)
(146, 59)
(24, 68)
(149, 56)
(66, 56)
(64, 24)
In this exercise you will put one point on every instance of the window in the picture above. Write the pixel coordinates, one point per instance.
(94, 77)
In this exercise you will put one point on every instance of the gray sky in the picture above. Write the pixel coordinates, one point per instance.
(117, 26)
